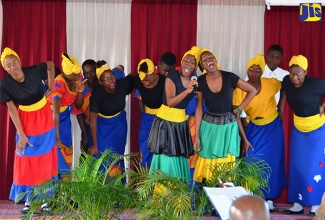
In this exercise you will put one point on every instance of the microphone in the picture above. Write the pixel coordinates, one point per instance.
(195, 86)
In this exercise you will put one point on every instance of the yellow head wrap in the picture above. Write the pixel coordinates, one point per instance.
(70, 65)
(6, 52)
(195, 52)
(100, 70)
(202, 50)
(299, 60)
(257, 60)
(151, 68)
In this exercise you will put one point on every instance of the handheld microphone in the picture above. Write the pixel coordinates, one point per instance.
(195, 86)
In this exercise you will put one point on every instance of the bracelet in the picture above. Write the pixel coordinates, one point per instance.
(279, 111)
(238, 110)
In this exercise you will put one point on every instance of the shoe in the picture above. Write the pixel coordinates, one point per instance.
(25, 210)
(312, 214)
(289, 212)
(45, 208)
(274, 210)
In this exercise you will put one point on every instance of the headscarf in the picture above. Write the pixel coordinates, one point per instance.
(257, 60)
(202, 50)
(195, 50)
(6, 52)
(70, 65)
(299, 60)
(151, 68)
(100, 70)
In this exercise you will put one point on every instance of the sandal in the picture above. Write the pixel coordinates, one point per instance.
(25, 209)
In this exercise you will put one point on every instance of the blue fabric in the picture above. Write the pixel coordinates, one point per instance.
(145, 127)
(268, 144)
(307, 158)
(111, 134)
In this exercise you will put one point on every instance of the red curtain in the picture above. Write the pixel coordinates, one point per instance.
(36, 30)
(282, 26)
(158, 26)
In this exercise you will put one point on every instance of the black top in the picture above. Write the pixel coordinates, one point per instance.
(27, 92)
(176, 78)
(306, 100)
(111, 104)
(152, 97)
(219, 102)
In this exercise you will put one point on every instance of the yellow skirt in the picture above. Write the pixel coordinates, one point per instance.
(202, 168)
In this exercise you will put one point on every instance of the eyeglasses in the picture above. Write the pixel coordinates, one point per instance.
(111, 78)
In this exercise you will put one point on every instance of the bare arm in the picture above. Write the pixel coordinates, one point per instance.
(141, 105)
(20, 147)
(245, 144)
(50, 77)
(84, 133)
(280, 106)
(251, 92)
(198, 119)
(93, 132)
(56, 117)
(170, 90)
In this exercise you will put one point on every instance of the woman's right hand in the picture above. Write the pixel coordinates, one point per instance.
(93, 150)
(20, 147)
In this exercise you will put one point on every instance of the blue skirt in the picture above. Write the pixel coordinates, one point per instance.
(268, 143)
(65, 153)
(145, 127)
(307, 170)
(111, 134)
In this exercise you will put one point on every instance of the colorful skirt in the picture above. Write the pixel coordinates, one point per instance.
(65, 150)
(145, 127)
(220, 143)
(268, 143)
(39, 163)
(307, 170)
(111, 134)
(170, 142)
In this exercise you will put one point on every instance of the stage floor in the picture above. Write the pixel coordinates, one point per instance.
(10, 210)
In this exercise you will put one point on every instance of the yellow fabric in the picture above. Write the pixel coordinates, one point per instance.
(266, 120)
(70, 65)
(308, 124)
(195, 51)
(110, 116)
(151, 111)
(171, 114)
(34, 107)
(202, 50)
(6, 52)
(151, 68)
(63, 108)
(263, 104)
(202, 168)
(100, 70)
(299, 60)
(257, 60)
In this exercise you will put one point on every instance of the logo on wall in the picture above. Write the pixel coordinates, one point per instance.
(310, 12)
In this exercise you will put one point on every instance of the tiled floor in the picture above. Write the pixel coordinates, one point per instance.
(10, 210)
